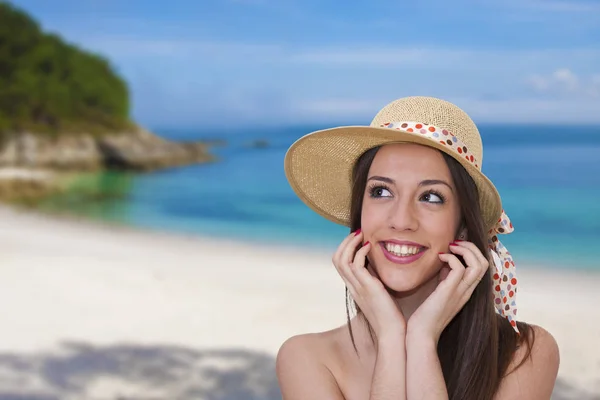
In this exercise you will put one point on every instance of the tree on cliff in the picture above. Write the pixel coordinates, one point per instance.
(50, 86)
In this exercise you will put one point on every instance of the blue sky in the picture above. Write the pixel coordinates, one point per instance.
(213, 62)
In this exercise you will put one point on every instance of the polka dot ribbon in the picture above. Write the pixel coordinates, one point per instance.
(505, 277)
(443, 136)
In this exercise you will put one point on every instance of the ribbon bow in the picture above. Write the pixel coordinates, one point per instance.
(505, 277)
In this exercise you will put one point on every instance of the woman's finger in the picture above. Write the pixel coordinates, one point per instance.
(340, 250)
(458, 269)
(471, 259)
(361, 256)
(350, 251)
(338, 255)
(482, 259)
(358, 266)
(472, 262)
(344, 262)
(349, 277)
(475, 270)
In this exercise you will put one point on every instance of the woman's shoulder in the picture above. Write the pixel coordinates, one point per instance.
(533, 369)
(307, 363)
(541, 347)
(307, 345)
(320, 347)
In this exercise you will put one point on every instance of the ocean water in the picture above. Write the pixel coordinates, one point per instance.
(548, 177)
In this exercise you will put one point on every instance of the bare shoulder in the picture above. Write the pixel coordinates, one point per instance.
(304, 367)
(535, 377)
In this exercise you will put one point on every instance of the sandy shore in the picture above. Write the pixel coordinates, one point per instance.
(96, 312)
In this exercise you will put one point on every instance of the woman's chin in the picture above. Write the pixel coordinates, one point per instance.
(404, 280)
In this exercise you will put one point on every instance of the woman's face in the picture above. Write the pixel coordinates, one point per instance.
(410, 213)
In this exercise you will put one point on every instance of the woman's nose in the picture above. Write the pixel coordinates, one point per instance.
(403, 217)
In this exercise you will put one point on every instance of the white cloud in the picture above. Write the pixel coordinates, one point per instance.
(539, 82)
(325, 83)
(563, 81)
(511, 110)
(566, 78)
(250, 108)
(532, 110)
(335, 109)
(444, 58)
(234, 52)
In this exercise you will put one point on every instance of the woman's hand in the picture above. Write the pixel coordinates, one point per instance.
(455, 287)
(368, 292)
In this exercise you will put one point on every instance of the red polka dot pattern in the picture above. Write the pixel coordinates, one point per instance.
(437, 135)
(504, 277)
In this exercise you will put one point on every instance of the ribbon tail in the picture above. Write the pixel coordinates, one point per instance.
(505, 276)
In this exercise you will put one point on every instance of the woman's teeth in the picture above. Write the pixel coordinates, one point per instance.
(402, 250)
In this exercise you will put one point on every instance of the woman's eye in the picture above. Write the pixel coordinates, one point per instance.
(380, 192)
(432, 198)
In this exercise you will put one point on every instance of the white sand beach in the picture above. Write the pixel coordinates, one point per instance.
(91, 311)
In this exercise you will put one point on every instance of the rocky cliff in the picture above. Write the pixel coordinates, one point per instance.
(136, 150)
(33, 165)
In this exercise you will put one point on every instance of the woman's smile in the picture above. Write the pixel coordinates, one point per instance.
(402, 251)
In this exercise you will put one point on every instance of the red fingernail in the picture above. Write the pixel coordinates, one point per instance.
(441, 253)
(366, 243)
(357, 232)
(453, 244)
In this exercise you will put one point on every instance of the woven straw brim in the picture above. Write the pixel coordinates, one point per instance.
(319, 167)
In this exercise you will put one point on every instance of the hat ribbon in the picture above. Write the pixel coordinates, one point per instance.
(437, 134)
(505, 277)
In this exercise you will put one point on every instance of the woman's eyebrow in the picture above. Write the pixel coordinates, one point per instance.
(382, 178)
(430, 182)
(426, 182)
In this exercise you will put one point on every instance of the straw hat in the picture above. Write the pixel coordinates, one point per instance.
(319, 165)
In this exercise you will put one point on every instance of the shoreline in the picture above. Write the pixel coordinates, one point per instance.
(63, 216)
(104, 285)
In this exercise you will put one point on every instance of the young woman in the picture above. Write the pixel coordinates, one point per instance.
(433, 288)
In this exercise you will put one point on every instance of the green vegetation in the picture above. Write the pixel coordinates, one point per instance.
(48, 86)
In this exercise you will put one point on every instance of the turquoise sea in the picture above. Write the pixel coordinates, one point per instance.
(548, 177)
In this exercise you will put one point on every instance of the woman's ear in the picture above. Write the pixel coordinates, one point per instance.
(463, 235)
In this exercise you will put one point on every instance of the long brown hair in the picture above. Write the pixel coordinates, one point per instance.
(478, 345)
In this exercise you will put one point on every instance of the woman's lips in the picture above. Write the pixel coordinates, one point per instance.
(402, 259)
